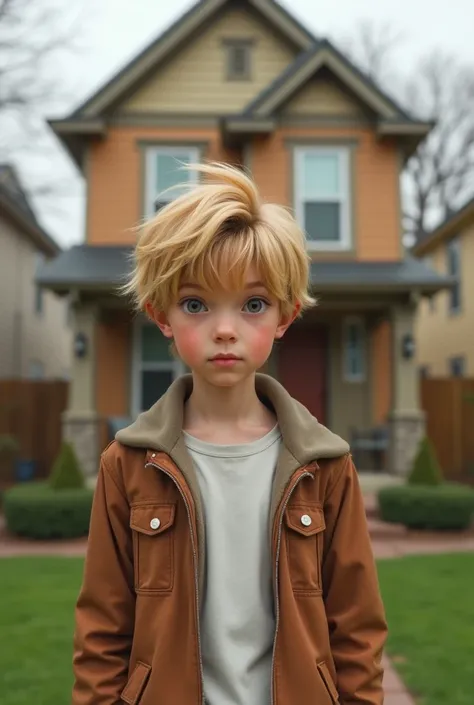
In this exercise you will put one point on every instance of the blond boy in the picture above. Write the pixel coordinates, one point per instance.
(229, 561)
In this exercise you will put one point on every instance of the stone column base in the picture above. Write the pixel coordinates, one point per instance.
(81, 429)
(407, 428)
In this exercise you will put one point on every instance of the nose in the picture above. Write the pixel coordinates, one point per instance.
(224, 329)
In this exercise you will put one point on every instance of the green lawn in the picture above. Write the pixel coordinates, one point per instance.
(429, 602)
(37, 597)
(430, 609)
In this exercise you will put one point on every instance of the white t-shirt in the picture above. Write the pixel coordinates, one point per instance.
(237, 615)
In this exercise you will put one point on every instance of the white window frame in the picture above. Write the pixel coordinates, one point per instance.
(344, 198)
(348, 376)
(151, 154)
(138, 366)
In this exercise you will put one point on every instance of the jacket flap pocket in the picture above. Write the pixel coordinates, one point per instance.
(306, 519)
(152, 519)
(136, 683)
(328, 681)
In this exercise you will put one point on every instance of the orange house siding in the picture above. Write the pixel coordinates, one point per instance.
(381, 356)
(113, 347)
(115, 178)
(374, 192)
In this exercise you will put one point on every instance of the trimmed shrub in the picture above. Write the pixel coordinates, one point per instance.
(426, 470)
(66, 473)
(39, 512)
(445, 507)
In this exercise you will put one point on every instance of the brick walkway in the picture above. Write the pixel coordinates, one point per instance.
(387, 541)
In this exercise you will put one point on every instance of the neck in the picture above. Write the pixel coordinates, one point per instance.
(224, 406)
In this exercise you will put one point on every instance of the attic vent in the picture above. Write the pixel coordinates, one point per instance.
(238, 59)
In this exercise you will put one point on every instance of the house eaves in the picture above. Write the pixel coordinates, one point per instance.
(447, 229)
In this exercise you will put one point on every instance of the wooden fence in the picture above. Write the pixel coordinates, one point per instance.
(31, 411)
(449, 408)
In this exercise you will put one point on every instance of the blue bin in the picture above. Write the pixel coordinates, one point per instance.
(25, 470)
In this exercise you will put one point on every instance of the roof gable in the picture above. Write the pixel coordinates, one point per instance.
(197, 17)
(451, 226)
(323, 55)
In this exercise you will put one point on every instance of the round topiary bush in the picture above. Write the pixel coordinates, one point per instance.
(37, 511)
(444, 507)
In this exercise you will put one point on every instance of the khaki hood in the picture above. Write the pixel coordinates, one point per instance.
(304, 437)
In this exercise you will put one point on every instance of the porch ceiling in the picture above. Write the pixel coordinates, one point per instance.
(85, 267)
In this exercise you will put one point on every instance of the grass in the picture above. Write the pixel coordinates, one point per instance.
(428, 601)
(430, 609)
(37, 597)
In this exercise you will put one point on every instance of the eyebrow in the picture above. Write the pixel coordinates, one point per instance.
(250, 285)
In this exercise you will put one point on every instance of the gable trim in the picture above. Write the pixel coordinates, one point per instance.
(454, 223)
(185, 25)
(326, 57)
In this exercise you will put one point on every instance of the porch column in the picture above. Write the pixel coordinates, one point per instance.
(407, 420)
(80, 421)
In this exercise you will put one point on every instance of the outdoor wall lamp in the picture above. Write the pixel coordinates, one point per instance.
(80, 345)
(408, 346)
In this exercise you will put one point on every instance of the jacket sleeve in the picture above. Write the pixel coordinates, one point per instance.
(106, 604)
(354, 608)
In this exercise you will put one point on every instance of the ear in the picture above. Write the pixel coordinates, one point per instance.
(160, 319)
(286, 321)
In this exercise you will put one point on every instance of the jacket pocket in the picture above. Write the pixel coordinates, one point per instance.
(153, 546)
(305, 524)
(133, 691)
(328, 681)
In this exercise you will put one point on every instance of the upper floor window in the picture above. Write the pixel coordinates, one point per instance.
(453, 255)
(164, 174)
(322, 198)
(238, 59)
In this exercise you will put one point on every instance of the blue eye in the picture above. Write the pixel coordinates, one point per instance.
(256, 305)
(193, 306)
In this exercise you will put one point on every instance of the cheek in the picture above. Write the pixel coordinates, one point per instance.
(188, 342)
(261, 341)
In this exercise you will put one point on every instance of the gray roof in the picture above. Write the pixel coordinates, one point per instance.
(14, 200)
(85, 266)
(301, 60)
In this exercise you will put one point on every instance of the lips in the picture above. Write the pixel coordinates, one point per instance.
(224, 356)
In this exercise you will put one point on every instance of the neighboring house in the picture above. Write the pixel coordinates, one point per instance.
(244, 82)
(35, 334)
(445, 324)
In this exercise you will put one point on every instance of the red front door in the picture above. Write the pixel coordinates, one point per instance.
(302, 367)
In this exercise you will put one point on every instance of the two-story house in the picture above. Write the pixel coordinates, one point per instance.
(35, 330)
(445, 324)
(242, 81)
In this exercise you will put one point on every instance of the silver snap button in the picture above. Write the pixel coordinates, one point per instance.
(153, 455)
(155, 523)
(306, 520)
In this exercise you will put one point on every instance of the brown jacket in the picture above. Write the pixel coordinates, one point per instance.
(137, 617)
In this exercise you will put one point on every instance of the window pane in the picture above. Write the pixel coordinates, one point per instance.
(322, 221)
(169, 172)
(354, 351)
(154, 385)
(321, 175)
(155, 347)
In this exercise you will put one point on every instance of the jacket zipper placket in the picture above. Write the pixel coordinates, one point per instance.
(277, 561)
(196, 575)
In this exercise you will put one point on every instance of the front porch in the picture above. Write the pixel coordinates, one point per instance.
(348, 361)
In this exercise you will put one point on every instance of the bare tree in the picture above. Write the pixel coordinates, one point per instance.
(37, 42)
(440, 89)
(441, 173)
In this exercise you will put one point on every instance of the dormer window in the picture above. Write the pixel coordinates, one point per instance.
(238, 59)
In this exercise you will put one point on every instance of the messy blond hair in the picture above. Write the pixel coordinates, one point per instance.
(211, 234)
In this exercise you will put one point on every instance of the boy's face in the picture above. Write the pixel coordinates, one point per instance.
(224, 336)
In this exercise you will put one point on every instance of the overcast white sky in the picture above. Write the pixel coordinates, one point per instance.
(118, 29)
